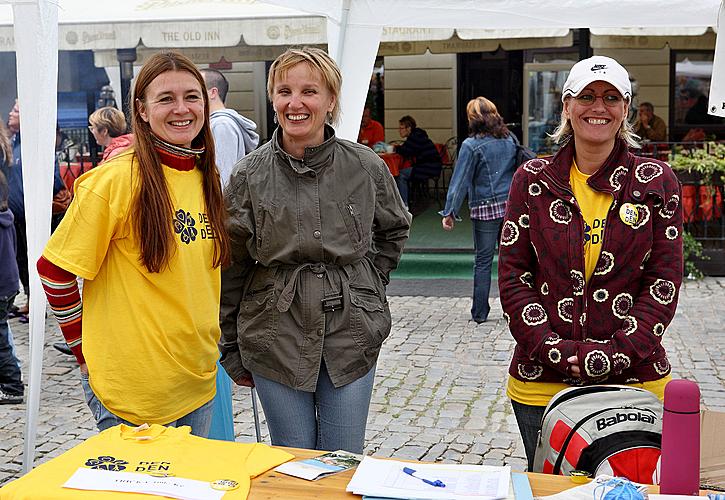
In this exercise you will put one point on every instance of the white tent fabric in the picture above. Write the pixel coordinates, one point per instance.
(354, 31)
(36, 36)
(361, 15)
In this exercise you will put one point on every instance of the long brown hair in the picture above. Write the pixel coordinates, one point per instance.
(152, 204)
(483, 118)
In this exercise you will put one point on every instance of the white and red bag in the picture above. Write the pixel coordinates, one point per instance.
(602, 429)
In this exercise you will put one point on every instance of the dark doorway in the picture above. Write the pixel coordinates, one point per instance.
(497, 76)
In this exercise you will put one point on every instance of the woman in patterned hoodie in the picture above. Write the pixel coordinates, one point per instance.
(590, 260)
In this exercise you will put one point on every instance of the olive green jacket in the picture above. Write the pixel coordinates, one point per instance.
(329, 228)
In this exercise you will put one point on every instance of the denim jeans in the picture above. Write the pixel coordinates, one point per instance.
(199, 420)
(485, 236)
(328, 419)
(10, 377)
(403, 182)
(529, 419)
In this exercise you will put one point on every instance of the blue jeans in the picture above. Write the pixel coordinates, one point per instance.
(328, 419)
(403, 182)
(199, 420)
(10, 377)
(485, 236)
(529, 419)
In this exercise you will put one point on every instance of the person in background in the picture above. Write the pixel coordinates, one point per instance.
(648, 125)
(11, 383)
(108, 126)
(234, 135)
(590, 258)
(486, 163)
(316, 226)
(371, 131)
(420, 150)
(16, 201)
(146, 233)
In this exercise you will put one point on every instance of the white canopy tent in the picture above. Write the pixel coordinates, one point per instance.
(355, 26)
(354, 29)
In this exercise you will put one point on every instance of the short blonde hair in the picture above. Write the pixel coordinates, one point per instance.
(109, 118)
(564, 131)
(319, 61)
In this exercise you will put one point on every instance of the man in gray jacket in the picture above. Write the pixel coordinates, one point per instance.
(234, 134)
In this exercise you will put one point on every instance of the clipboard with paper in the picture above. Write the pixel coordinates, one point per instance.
(387, 478)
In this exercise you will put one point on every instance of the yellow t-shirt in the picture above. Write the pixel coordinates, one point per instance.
(540, 393)
(160, 450)
(594, 206)
(149, 339)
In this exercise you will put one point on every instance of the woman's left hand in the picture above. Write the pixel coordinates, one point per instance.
(448, 222)
(574, 366)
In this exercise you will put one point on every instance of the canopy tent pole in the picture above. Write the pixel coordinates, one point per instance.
(36, 38)
(716, 104)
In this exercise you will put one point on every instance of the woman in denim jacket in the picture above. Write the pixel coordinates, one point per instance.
(485, 167)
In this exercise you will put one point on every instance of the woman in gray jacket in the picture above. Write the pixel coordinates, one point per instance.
(316, 225)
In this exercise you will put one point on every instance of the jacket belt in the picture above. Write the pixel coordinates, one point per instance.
(290, 290)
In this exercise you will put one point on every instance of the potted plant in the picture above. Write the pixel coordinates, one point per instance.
(702, 172)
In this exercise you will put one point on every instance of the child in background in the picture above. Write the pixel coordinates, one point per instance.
(11, 385)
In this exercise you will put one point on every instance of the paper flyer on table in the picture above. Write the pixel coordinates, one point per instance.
(131, 482)
(386, 478)
(322, 466)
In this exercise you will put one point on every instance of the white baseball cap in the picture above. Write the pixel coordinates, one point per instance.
(597, 68)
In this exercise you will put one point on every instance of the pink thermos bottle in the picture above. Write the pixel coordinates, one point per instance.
(680, 463)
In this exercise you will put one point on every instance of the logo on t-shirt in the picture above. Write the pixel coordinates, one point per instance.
(185, 226)
(594, 236)
(106, 463)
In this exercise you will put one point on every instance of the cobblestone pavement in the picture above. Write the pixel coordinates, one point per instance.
(440, 384)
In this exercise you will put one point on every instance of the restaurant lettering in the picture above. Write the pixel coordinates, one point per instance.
(92, 37)
(7, 42)
(190, 36)
(305, 29)
(387, 31)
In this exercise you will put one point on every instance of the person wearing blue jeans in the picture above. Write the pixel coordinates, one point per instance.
(484, 169)
(199, 420)
(419, 149)
(327, 419)
(485, 237)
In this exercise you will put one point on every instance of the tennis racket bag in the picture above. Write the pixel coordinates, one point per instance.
(602, 429)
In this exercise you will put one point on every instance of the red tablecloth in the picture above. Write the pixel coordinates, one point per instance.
(395, 162)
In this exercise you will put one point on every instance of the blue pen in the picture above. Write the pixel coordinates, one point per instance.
(411, 473)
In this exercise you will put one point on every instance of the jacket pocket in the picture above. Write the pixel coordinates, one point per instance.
(257, 322)
(369, 317)
(351, 217)
(265, 225)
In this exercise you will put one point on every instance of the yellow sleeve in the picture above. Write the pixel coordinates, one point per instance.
(80, 242)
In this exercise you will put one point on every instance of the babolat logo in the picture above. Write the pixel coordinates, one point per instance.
(618, 418)
(599, 67)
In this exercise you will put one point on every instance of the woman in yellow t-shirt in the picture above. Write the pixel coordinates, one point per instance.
(590, 261)
(145, 231)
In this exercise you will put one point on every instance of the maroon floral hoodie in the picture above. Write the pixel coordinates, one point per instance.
(615, 322)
